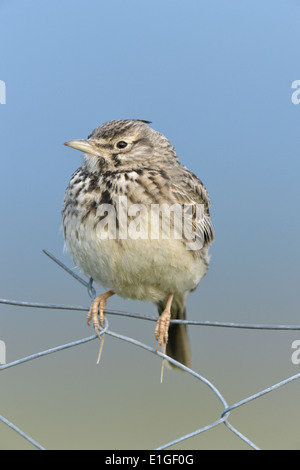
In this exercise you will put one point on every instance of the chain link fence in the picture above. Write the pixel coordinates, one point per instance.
(226, 411)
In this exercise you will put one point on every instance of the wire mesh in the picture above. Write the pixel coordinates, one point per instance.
(226, 411)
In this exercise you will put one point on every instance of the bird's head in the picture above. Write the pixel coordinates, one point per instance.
(123, 144)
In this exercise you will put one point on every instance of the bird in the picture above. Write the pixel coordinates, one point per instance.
(122, 219)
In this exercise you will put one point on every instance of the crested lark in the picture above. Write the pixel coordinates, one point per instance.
(128, 169)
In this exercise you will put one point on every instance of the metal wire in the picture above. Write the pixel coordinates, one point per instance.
(224, 416)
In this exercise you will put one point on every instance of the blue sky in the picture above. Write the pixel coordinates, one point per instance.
(215, 77)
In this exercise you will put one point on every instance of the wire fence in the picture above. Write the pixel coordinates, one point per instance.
(227, 410)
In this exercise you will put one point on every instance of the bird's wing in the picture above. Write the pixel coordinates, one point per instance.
(191, 193)
(164, 189)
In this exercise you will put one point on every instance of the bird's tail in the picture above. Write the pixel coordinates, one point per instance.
(178, 346)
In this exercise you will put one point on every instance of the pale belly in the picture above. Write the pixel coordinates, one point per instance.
(147, 270)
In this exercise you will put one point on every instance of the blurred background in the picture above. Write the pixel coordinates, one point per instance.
(216, 78)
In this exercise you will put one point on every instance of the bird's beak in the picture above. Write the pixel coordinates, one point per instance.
(83, 145)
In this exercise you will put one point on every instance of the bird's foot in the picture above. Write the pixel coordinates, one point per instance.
(96, 314)
(162, 331)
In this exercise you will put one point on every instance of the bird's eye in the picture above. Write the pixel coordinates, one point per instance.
(121, 144)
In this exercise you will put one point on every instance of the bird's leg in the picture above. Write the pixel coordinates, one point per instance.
(96, 314)
(162, 330)
(97, 310)
(162, 325)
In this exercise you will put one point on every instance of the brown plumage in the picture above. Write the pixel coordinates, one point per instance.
(131, 169)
